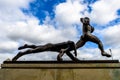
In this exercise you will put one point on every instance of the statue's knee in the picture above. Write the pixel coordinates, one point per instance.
(28, 51)
(49, 45)
(59, 58)
(100, 43)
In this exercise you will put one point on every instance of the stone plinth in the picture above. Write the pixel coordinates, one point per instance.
(67, 70)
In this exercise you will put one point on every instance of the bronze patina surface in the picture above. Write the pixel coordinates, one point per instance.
(66, 47)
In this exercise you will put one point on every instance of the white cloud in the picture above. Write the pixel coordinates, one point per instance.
(111, 35)
(115, 52)
(40, 56)
(31, 31)
(112, 39)
(69, 12)
(14, 3)
(8, 46)
(10, 9)
(16, 28)
(104, 11)
(91, 54)
(5, 56)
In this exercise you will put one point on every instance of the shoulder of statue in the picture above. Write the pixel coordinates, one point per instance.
(70, 41)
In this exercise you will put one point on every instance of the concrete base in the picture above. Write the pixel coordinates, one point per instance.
(60, 71)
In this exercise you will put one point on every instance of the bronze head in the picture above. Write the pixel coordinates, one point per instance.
(85, 20)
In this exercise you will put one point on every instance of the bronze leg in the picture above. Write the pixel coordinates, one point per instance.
(80, 43)
(27, 46)
(59, 57)
(36, 50)
(94, 39)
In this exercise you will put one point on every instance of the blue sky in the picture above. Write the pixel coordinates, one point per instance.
(53, 21)
(42, 8)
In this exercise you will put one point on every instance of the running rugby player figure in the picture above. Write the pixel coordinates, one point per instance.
(61, 48)
(88, 36)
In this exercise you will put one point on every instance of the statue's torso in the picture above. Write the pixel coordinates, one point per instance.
(87, 29)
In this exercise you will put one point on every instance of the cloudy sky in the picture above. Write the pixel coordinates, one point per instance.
(53, 21)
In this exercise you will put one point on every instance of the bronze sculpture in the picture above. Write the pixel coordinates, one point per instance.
(64, 47)
(88, 36)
